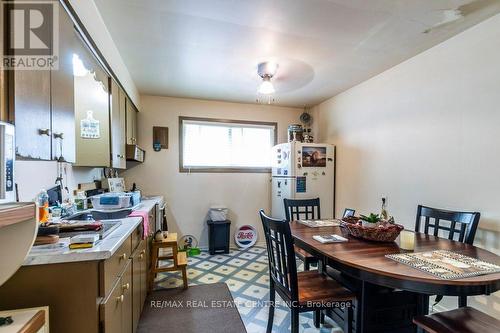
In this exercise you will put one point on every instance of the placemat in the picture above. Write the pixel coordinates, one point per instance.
(446, 265)
(320, 223)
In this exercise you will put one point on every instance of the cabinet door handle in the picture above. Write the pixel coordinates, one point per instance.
(123, 256)
(141, 256)
(120, 298)
(59, 135)
(120, 156)
(126, 286)
(44, 131)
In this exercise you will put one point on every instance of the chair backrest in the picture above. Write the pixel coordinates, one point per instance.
(302, 209)
(281, 255)
(460, 224)
(348, 212)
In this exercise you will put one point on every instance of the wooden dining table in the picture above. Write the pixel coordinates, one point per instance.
(389, 293)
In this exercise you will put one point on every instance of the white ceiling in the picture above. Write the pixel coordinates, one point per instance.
(210, 48)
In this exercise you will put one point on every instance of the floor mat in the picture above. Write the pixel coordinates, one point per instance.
(199, 309)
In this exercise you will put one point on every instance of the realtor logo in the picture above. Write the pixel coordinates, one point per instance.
(30, 35)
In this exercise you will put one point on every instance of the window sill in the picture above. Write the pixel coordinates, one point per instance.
(224, 170)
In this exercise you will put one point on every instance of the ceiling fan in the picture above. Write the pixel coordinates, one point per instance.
(266, 70)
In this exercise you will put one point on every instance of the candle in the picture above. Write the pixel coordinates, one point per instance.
(407, 240)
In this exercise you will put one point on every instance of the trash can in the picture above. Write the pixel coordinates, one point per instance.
(218, 236)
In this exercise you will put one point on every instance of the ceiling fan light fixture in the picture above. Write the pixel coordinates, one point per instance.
(266, 87)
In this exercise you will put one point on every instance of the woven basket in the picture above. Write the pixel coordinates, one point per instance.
(385, 232)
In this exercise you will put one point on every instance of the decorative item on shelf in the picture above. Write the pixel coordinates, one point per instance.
(295, 133)
(160, 138)
(308, 138)
(371, 228)
(306, 120)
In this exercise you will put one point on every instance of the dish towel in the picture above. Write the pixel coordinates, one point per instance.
(145, 221)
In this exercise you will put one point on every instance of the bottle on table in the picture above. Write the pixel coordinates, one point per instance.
(43, 206)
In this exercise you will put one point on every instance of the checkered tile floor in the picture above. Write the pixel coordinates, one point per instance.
(246, 274)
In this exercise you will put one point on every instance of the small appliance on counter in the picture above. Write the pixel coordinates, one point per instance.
(7, 158)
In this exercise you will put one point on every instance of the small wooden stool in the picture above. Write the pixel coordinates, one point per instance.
(179, 258)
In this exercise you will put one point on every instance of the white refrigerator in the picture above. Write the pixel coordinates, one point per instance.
(303, 171)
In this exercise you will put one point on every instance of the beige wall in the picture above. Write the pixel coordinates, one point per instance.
(190, 195)
(425, 131)
(32, 176)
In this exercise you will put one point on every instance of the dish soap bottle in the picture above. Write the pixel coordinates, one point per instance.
(43, 206)
(81, 200)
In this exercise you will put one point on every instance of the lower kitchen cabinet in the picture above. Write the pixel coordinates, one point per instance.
(116, 310)
(139, 282)
(105, 296)
(126, 286)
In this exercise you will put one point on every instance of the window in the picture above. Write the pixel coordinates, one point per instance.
(213, 145)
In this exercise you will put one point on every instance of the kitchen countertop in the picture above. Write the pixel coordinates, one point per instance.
(103, 249)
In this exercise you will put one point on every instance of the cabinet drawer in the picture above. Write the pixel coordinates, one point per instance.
(115, 265)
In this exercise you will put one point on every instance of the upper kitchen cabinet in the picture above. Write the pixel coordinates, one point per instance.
(91, 110)
(118, 126)
(131, 123)
(41, 103)
(62, 91)
(29, 91)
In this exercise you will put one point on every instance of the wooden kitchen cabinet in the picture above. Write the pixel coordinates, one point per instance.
(30, 99)
(126, 286)
(63, 94)
(104, 296)
(117, 308)
(131, 123)
(118, 126)
(139, 282)
(42, 102)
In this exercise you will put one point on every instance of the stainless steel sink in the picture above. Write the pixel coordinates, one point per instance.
(110, 221)
(99, 215)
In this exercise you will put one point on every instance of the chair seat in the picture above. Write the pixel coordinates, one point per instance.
(463, 320)
(316, 287)
(303, 254)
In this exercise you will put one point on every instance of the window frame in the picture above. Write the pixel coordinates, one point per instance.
(183, 169)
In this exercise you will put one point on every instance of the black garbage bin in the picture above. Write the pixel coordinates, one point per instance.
(218, 236)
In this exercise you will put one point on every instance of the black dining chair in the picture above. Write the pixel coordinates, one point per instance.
(301, 291)
(348, 212)
(459, 226)
(303, 209)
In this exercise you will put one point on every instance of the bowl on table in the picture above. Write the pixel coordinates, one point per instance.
(383, 232)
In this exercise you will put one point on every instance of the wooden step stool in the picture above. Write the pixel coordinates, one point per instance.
(179, 259)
